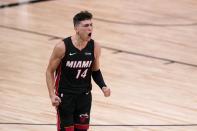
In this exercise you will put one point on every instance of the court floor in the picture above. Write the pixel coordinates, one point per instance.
(149, 60)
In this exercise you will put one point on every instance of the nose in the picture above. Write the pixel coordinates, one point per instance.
(90, 27)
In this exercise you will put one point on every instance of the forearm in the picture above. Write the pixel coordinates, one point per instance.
(50, 80)
(98, 78)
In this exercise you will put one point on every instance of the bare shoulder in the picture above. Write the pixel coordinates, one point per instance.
(96, 45)
(97, 49)
(59, 49)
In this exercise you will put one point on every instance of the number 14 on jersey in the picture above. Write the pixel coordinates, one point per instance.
(81, 73)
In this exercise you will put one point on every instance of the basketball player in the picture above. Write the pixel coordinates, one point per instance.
(74, 60)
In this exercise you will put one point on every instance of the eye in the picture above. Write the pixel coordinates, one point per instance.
(87, 25)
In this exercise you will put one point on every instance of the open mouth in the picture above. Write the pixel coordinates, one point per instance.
(89, 34)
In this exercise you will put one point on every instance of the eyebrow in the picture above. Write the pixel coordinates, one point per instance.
(86, 25)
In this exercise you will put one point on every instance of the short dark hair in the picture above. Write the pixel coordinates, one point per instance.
(83, 15)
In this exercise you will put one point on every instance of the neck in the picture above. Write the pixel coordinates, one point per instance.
(80, 43)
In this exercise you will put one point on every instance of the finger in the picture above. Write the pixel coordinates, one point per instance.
(58, 99)
(108, 93)
(55, 103)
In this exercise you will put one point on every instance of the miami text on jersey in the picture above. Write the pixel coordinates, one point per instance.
(78, 64)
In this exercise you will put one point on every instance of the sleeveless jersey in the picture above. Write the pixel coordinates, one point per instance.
(75, 69)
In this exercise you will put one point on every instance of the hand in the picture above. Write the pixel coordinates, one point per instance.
(106, 91)
(55, 100)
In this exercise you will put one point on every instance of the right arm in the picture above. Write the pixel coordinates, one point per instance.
(55, 59)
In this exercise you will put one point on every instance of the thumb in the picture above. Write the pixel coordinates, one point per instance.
(57, 99)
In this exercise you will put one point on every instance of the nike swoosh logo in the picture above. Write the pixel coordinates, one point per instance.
(72, 54)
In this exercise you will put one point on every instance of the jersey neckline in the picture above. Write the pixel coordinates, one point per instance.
(76, 47)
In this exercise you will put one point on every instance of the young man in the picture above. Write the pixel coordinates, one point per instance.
(73, 61)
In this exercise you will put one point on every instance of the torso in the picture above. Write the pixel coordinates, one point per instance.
(74, 71)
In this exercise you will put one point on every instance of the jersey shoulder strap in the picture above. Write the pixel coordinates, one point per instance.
(67, 43)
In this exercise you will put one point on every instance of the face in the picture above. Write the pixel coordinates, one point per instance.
(84, 29)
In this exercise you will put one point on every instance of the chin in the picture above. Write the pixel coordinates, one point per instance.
(89, 38)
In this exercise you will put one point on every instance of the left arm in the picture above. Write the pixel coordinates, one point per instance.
(96, 73)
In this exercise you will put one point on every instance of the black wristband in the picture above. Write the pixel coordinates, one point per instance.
(98, 78)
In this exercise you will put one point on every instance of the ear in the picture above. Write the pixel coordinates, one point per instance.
(76, 29)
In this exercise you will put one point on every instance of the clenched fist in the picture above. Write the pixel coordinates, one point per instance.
(106, 91)
(55, 100)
